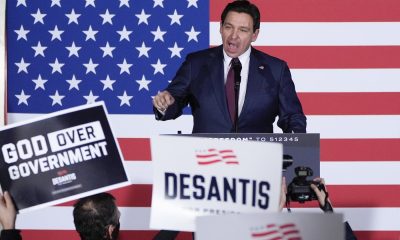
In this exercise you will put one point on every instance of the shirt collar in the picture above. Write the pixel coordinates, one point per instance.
(242, 57)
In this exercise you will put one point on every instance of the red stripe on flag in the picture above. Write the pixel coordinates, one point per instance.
(139, 195)
(360, 149)
(374, 235)
(336, 56)
(319, 11)
(135, 148)
(354, 103)
(73, 235)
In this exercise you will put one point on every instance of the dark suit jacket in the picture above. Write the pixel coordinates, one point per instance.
(270, 93)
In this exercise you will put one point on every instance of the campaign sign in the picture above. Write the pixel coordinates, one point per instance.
(198, 176)
(60, 157)
(269, 226)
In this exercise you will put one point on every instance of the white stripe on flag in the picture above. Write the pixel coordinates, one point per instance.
(346, 80)
(321, 34)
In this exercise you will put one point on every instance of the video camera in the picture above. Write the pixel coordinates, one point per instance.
(299, 189)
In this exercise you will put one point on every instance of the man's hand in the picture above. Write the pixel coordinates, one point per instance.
(163, 100)
(324, 201)
(7, 211)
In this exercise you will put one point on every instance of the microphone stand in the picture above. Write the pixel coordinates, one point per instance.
(237, 67)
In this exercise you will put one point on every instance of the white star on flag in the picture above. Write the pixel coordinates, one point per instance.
(73, 50)
(90, 66)
(56, 34)
(143, 83)
(22, 33)
(23, 98)
(56, 66)
(175, 18)
(108, 83)
(175, 51)
(39, 49)
(107, 17)
(90, 33)
(21, 2)
(143, 50)
(159, 67)
(158, 3)
(192, 3)
(158, 34)
(22, 66)
(90, 3)
(38, 16)
(107, 50)
(55, 2)
(39, 82)
(143, 17)
(125, 99)
(124, 34)
(73, 83)
(192, 35)
(124, 67)
(73, 17)
(56, 98)
(90, 98)
(124, 3)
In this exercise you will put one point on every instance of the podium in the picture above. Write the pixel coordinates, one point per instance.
(304, 148)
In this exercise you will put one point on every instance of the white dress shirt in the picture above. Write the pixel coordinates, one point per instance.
(244, 60)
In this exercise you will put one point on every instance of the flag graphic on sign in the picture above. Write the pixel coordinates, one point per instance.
(287, 231)
(213, 156)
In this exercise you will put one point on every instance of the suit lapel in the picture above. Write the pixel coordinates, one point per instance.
(217, 80)
(255, 79)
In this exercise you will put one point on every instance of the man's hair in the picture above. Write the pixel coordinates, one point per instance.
(93, 215)
(243, 6)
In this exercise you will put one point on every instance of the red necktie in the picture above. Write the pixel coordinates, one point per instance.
(230, 91)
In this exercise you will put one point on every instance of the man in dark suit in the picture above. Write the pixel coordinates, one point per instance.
(266, 89)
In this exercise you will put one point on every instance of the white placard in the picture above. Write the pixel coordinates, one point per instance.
(268, 226)
(199, 176)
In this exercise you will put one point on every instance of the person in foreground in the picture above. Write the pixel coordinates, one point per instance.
(8, 215)
(97, 217)
(323, 200)
(266, 87)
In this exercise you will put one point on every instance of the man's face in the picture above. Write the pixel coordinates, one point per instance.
(237, 33)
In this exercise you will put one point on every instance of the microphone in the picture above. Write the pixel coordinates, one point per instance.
(237, 68)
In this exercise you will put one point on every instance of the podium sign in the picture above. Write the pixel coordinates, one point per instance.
(304, 148)
(268, 226)
(60, 157)
(197, 176)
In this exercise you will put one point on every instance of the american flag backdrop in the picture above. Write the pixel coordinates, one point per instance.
(344, 57)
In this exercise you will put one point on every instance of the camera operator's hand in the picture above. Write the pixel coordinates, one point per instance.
(7, 212)
(322, 194)
(282, 201)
